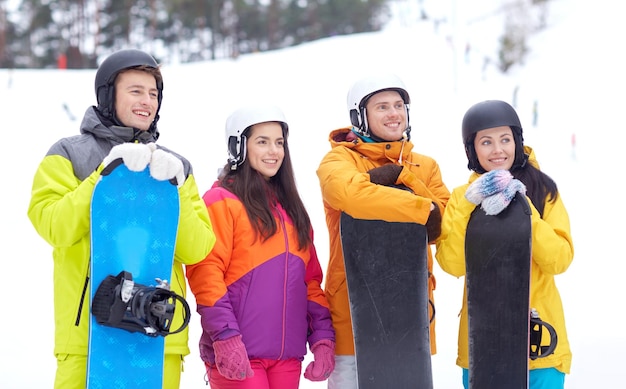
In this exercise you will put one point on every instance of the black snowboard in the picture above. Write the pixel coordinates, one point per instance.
(497, 258)
(387, 276)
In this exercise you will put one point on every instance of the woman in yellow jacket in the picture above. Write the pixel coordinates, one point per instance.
(493, 140)
(356, 176)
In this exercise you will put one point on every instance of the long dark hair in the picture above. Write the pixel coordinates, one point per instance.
(259, 197)
(540, 187)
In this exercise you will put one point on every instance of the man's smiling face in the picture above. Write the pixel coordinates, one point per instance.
(136, 99)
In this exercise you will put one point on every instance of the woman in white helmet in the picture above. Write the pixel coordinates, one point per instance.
(258, 292)
(358, 176)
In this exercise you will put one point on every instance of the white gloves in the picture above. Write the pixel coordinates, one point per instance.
(165, 166)
(136, 156)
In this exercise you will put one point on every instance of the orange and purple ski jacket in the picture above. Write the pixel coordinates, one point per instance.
(267, 291)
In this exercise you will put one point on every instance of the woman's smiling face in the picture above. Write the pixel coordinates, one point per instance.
(495, 148)
(266, 148)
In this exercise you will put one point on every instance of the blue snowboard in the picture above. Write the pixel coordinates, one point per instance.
(134, 223)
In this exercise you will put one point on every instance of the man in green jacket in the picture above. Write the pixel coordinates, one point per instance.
(129, 90)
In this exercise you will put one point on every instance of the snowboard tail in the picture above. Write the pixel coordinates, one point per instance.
(498, 257)
(134, 223)
(387, 277)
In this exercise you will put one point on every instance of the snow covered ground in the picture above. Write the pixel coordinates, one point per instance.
(574, 76)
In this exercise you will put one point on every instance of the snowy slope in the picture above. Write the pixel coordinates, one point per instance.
(574, 73)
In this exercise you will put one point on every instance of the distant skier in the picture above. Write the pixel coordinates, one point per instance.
(514, 99)
(69, 113)
(62, 61)
(502, 165)
(10, 78)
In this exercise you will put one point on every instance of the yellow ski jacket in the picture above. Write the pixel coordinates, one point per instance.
(552, 253)
(346, 187)
(59, 210)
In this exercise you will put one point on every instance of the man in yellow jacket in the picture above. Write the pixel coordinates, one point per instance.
(129, 89)
(357, 176)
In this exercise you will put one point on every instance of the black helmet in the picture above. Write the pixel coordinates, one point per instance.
(490, 114)
(108, 71)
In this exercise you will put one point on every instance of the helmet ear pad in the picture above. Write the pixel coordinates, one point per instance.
(358, 118)
(237, 148)
(520, 156)
(355, 118)
(232, 146)
(472, 158)
(106, 94)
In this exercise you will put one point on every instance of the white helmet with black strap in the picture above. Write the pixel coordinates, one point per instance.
(241, 120)
(363, 89)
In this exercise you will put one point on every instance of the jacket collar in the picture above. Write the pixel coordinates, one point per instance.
(380, 151)
(93, 124)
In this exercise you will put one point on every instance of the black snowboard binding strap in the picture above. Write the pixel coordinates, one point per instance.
(536, 350)
(432, 306)
(121, 303)
(110, 167)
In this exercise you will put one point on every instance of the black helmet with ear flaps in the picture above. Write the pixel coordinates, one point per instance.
(490, 114)
(107, 73)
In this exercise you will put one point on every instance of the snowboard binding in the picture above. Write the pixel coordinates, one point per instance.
(121, 303)
(536, 350)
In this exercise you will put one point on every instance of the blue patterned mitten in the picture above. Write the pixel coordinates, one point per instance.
(490, 183)
(496, 203)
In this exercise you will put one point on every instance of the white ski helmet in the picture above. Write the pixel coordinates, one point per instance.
(242, 119)
(363, 89)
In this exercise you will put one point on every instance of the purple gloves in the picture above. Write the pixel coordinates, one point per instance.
(231, 359)
(323, 361)
(494, 191)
